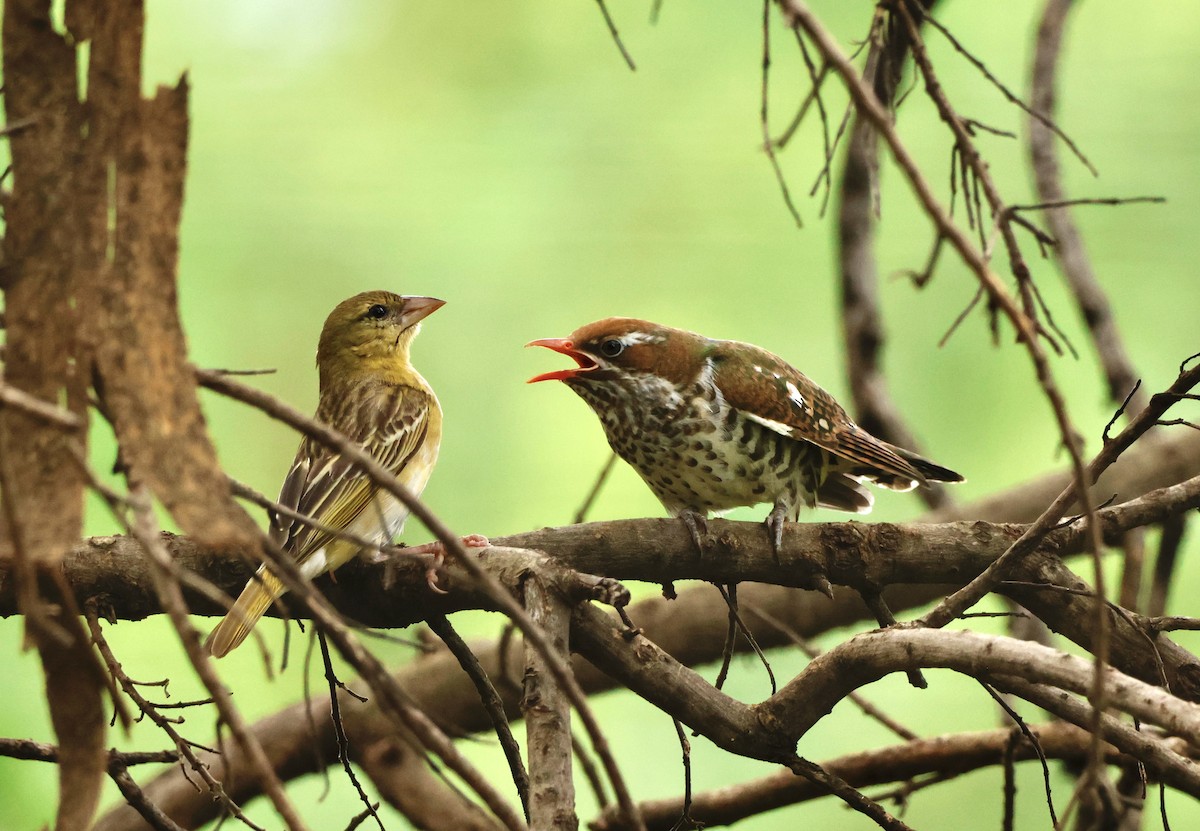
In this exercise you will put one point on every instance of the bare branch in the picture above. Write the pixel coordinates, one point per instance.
(56, 416)
(1070, 250)
(183, 747)
(171, 597)
(768, 144)
(616, 36)
(963, 599)
(952, 755)
(490, 699)
(1039, 115)
(867, 657)
(453, 544)
(547, 712)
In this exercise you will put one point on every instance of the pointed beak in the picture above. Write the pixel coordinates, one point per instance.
(417, 309)
(565, 347)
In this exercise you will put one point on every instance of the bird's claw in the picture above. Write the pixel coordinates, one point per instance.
(432, 570)
(629, 632)
(775, 522)
(436, 552)
(437, 548)
(821, 583)
(697, 525)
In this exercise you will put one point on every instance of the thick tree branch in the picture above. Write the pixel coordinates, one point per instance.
(1144, 421)
(547, 713)
(111, 569)
(689, 628)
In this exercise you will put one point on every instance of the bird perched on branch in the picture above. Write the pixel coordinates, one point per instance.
(371, 393)
(714, 424)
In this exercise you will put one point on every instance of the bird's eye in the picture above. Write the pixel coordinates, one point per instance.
(611, 348)
(377, 312)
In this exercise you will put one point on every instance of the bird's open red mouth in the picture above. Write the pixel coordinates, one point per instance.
(566, 347)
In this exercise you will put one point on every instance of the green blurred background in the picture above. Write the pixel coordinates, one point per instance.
(501, 156)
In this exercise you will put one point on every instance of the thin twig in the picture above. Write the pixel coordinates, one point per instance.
(616, 36)
(812, 96)
(848, 794)
(874, 601)
(1010, 785)
(491, 701)
(588, 767)
(453, 543)
(590, 499)
(150, 710)
(1052, 204)
(1032, 738)
(154, 816)
(735, 624)
(1012, 97)
(339, 729)
(171, 597)
(1173, 531)
(764, 120)
(685, 747)
(31, 751)
(966, 597)
(55, 416)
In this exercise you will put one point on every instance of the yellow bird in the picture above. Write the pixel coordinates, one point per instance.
(371, 393)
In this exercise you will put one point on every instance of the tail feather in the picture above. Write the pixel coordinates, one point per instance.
(932, 472)
(251, 604)
(843, 492)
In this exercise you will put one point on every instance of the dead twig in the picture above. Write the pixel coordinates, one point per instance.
(768, 145)
(616, 36)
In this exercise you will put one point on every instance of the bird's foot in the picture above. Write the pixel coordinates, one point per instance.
(697, 525)
(774, 522)
(437, 548)
(435, 552)
(821, 583)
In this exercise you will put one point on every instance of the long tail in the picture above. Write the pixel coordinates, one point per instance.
(254, 600)
(931, 471)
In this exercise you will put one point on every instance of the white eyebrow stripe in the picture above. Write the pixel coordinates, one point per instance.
(634, 338)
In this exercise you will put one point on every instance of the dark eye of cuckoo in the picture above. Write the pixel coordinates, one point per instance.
(611, 348)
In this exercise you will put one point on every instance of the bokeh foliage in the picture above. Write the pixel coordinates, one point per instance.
(502, 157)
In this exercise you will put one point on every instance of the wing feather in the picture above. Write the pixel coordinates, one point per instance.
(390, 423)
(771, 392)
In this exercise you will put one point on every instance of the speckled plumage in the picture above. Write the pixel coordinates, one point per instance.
(711, 425)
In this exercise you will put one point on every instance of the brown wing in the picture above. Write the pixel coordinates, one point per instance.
(778, 396)
(389, 422)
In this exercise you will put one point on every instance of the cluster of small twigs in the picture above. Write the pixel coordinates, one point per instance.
(1030, 316)
(1128, 706)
